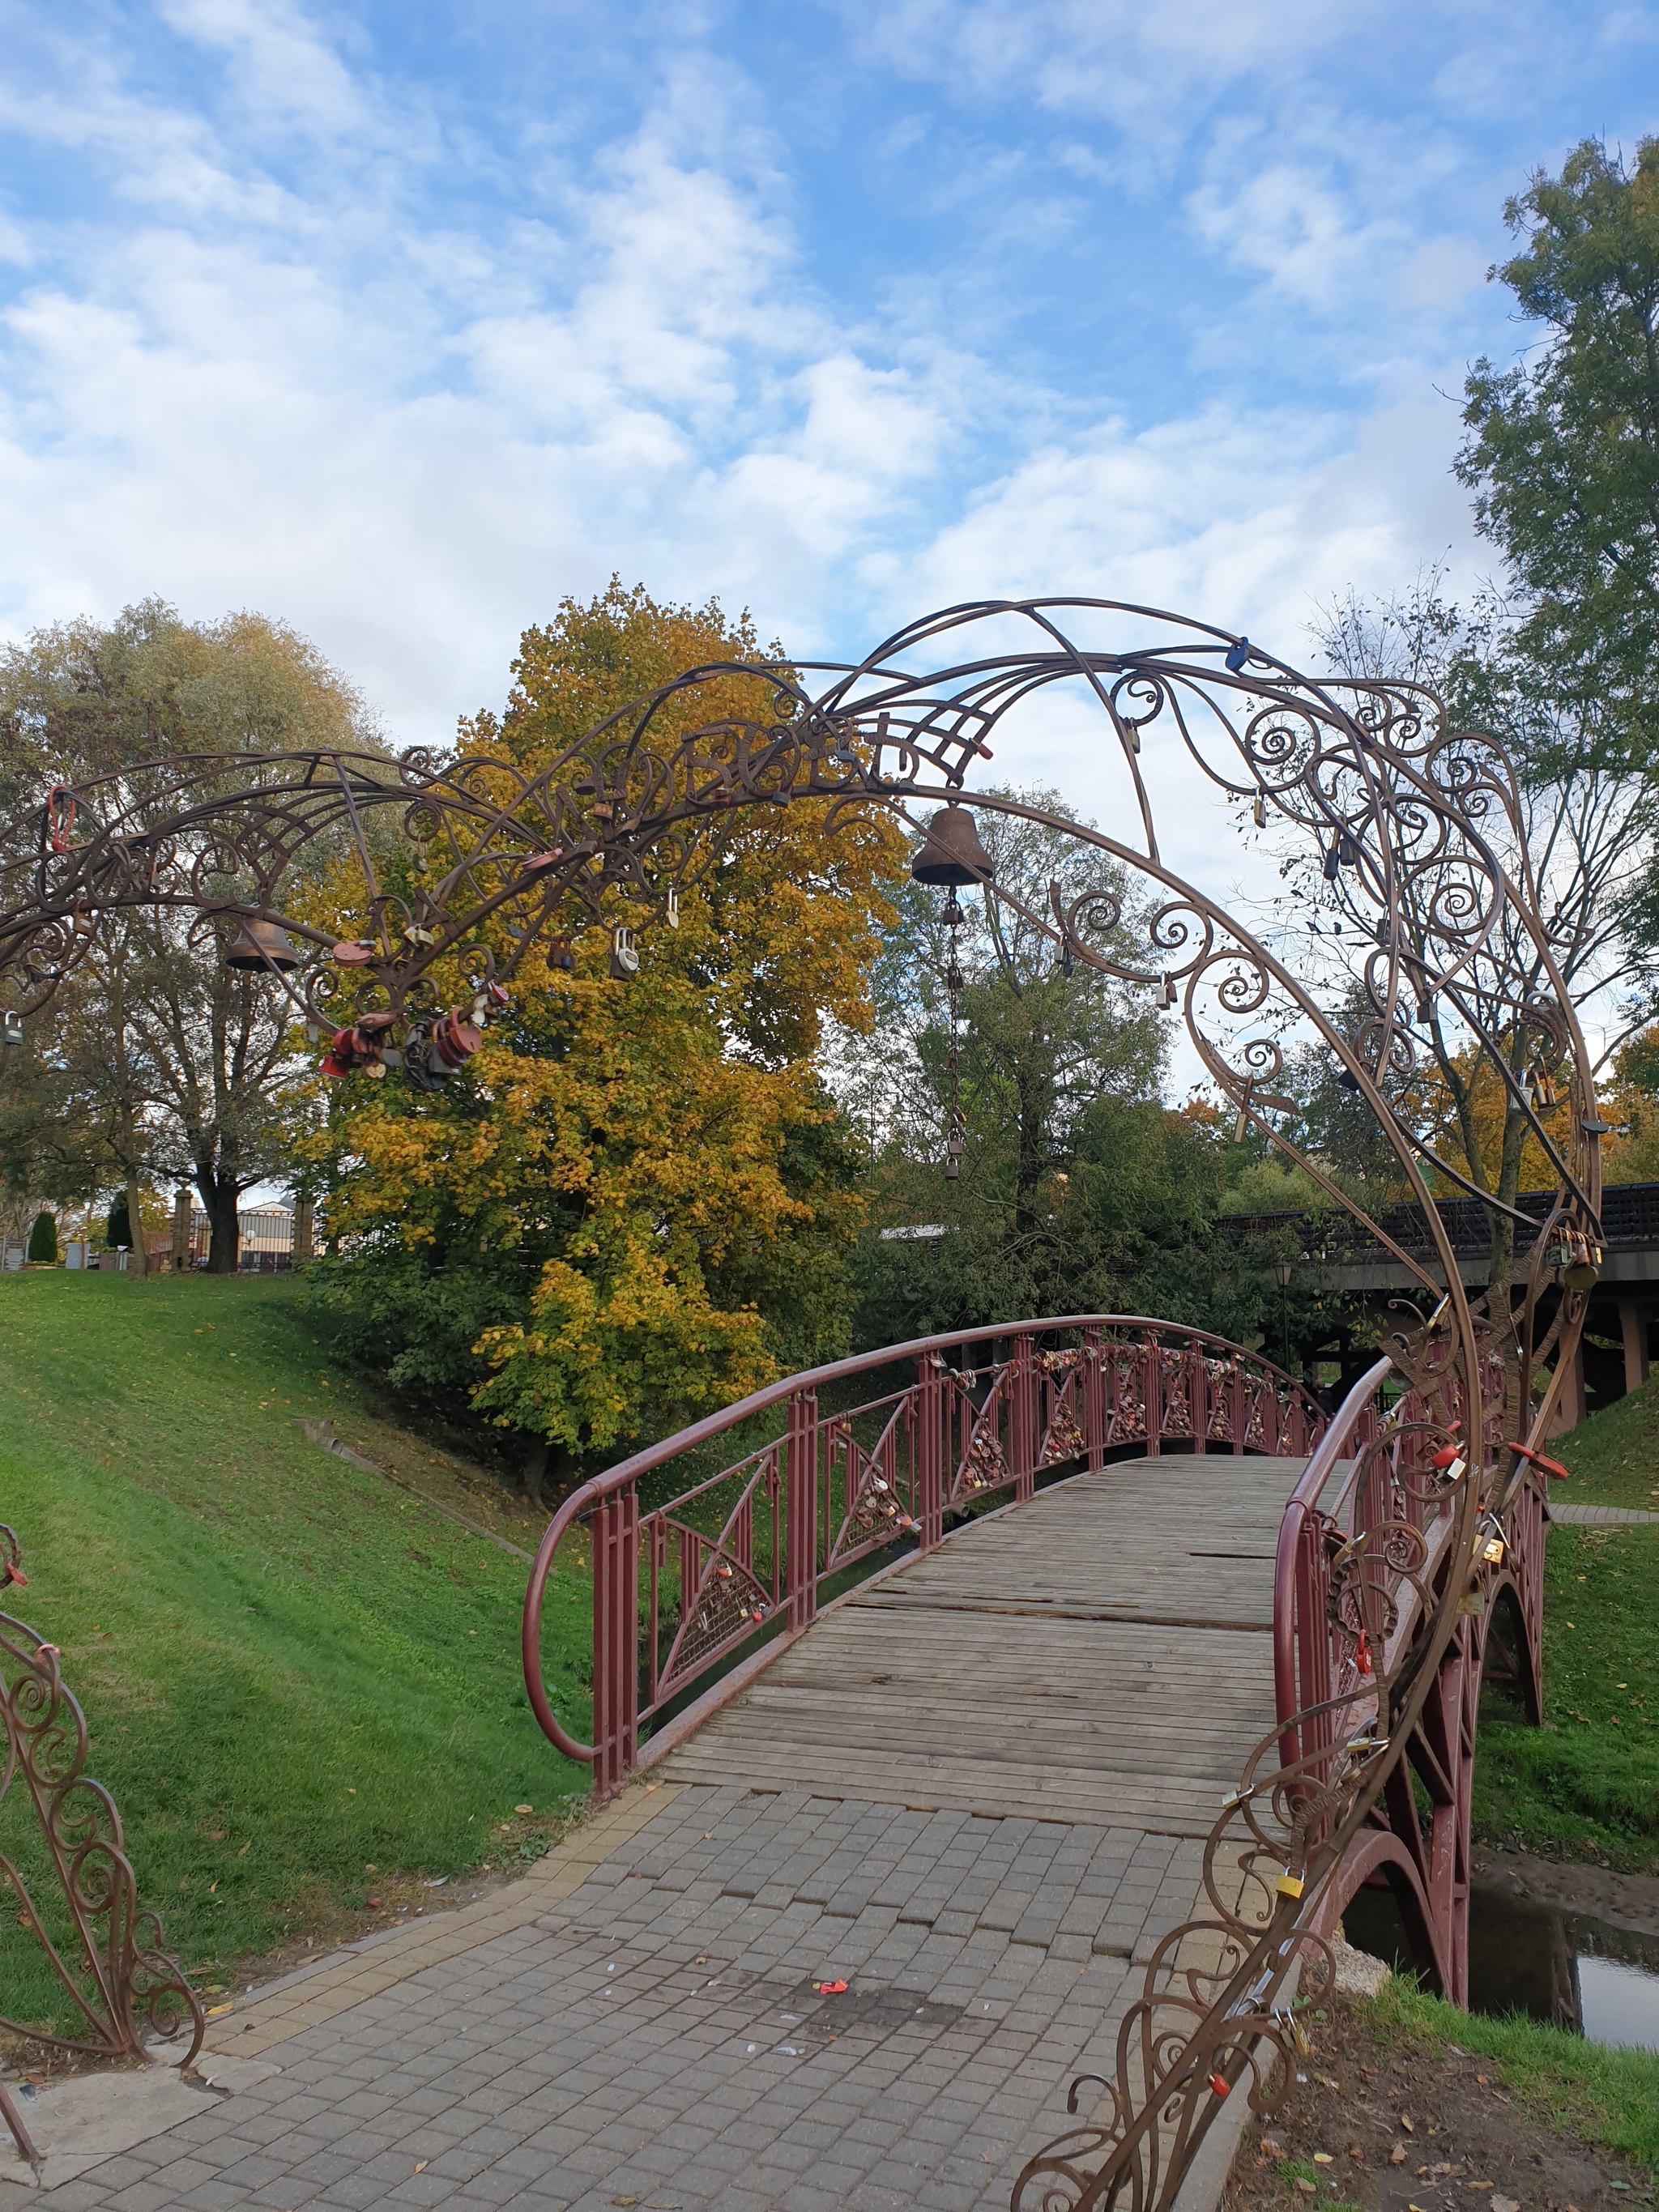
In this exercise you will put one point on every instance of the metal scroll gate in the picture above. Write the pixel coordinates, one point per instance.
(1417, 836)
(695, 1582)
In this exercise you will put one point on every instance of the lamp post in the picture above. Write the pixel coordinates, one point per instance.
(1282, 1270)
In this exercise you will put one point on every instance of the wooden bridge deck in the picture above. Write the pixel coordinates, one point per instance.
(1102, 1655)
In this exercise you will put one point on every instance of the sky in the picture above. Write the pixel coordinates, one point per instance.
(400, 321)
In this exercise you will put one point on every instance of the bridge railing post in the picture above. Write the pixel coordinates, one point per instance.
(800, 1510)
(1093, 1388)
(1239, 1397)
(933, 1421)
(1151, 1391)
(1024, 1438)
(615, 1640)
(1198, 1396)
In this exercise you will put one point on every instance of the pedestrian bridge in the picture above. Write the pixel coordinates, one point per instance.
(985, 1729)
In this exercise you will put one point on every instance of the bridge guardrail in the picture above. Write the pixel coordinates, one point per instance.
(1356, 1570)
(690, 1586)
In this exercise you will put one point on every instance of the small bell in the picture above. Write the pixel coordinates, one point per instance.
(1347, 853)
(950, 852)
(260, 947)
(624, 953)
(1332, 865)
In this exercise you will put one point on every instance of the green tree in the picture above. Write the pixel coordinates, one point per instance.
(155, 1060)
(43, 1239)
(1563, 450)
(1080, 1189)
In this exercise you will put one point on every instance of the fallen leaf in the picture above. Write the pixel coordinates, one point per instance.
(213, 2011)
(1397, 2155)
(1406, 2123)
(524, 1808)
(1304, 2185)
(423, 2165)
(1505, 2204)
(1322, 2158)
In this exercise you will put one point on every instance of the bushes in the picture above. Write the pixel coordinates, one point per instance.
(43, 1240)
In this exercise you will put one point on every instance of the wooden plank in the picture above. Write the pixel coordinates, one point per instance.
(1097, 1655)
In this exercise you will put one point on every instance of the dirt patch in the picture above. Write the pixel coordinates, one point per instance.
(1628, 1901)
(1412, 2128)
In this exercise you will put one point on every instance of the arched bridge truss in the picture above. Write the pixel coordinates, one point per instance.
(1392, 1571)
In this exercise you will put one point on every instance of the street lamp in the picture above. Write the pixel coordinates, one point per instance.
(1282, 1270)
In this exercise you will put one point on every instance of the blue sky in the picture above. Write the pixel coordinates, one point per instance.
(400, 320)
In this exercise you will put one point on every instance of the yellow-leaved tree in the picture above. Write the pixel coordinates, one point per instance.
(638, 1201)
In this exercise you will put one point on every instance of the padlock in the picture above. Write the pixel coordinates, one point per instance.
(1290, 1885)
(1362, 1657)
(624, 953)
(1258, 811)
(1219, 2083)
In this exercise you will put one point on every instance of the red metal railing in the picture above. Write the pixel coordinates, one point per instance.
(1364, 1546)
(697, 1588)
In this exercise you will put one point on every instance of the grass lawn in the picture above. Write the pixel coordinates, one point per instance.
(1589, 1781)
(292, 1671)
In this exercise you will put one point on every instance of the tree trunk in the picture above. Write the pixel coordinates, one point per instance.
(534, 1474)
(219, 1198)
(137, 1258)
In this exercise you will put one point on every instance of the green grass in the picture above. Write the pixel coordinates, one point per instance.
(291, 1669)
(1604, 2096)
(1590, 1779)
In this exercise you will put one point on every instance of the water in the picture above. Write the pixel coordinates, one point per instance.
(1562, 1967)
(1566, 1967)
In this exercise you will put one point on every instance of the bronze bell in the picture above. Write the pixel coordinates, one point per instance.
(950, 852)
(261, 946)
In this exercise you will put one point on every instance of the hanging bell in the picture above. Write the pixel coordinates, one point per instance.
(260, 947)
(950, 852)
(1332, 865)
(1347, 853)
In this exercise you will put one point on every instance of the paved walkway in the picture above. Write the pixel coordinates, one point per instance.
(974, 1794)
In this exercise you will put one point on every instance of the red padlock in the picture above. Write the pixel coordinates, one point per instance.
(1362, 1657)
(1219, 2083)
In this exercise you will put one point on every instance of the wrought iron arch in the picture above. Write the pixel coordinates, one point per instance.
(1419, 830)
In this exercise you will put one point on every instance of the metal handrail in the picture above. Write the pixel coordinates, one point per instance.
(612, 1496)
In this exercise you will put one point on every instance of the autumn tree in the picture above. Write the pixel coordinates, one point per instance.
(638, 1201)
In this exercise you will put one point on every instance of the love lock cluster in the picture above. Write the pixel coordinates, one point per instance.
(432, 1050)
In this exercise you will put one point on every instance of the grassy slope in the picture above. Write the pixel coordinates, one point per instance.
(291, 1669)
(1590, 1779)
(1605, 2096)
